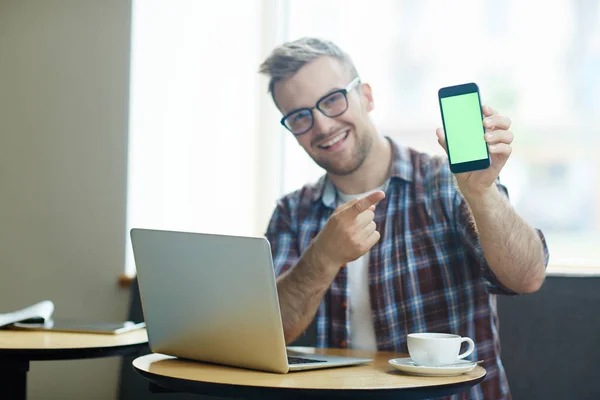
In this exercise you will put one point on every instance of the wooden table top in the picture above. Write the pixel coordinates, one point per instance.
(51, 345)
(378, 375)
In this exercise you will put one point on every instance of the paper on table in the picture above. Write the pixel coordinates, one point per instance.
(43, 309)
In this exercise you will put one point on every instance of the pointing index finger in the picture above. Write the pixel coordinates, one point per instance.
(367, 201)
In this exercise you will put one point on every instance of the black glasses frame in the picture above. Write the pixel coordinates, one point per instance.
(343, 91)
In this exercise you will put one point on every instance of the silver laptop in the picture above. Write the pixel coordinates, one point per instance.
(213, 298)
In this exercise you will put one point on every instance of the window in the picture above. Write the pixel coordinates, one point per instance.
(538, 66)
(200, 156)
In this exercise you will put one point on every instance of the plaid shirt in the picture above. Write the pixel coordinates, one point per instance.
(427, 273)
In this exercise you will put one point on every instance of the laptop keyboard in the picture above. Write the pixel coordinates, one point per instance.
(299, 360)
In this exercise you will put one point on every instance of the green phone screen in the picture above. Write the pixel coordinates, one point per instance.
(464, 128)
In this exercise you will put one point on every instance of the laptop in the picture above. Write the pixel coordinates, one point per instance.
(213, 298)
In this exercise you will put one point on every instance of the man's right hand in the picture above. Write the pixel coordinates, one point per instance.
(348, 234)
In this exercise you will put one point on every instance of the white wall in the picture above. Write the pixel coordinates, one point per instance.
(64, 69)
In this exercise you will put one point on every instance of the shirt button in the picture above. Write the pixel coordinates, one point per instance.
(343, 344)
(344, 305)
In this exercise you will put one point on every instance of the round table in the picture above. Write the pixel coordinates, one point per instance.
(375, 380)
(19, 347)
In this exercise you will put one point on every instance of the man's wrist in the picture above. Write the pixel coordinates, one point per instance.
(318, 263)
(480, 197)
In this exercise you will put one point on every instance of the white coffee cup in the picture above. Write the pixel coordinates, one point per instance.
(433, 349)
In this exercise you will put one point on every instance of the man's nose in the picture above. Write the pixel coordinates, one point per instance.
(323, 125)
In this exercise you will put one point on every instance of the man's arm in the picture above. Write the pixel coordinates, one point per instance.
(348, 234)
(513, 250)
(300, 290)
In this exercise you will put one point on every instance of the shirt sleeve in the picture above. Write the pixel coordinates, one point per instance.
(283, 239)
(470, 239)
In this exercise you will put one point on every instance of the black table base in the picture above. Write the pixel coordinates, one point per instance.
(14, 363)
(13, 380)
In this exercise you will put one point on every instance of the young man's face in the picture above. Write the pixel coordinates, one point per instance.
(340, 144)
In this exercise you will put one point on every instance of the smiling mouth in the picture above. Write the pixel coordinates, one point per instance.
(335, 139)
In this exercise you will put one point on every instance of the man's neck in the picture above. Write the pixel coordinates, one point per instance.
(372, 174)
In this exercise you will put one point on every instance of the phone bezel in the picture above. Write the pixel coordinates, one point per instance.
(457, 90)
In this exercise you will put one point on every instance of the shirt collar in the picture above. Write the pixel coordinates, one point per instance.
(401, 168)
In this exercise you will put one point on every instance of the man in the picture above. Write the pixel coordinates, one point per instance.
(389, 242)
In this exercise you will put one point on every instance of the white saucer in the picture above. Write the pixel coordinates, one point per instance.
(408, 366)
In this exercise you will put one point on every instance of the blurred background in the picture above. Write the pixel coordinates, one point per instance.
(150, 113)
(197, 103)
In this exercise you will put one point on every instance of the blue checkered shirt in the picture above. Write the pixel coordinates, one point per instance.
(427, 273)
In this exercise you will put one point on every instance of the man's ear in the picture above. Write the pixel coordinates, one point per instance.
(367, 95)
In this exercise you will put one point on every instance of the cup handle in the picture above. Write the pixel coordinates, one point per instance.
(469, 350)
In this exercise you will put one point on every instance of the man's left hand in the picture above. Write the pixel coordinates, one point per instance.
(498, 138)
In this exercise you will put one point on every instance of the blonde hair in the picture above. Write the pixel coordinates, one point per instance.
(288, 58)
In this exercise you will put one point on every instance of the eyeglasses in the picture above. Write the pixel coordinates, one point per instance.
(331, 105)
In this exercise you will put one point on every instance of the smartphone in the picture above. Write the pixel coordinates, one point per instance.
(462, 117)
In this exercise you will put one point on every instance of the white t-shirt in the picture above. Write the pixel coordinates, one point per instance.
(362, 330)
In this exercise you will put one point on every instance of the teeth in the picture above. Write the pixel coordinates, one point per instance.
(333, 140)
